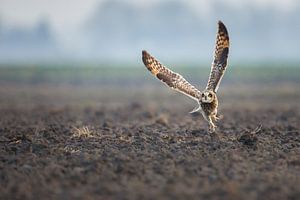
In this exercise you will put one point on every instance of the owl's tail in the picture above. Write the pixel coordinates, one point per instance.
(197, 108)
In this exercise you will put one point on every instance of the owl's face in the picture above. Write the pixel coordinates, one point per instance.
(208, 96)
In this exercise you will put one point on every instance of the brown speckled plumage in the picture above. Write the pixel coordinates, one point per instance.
(210, 107)
(207, 100)
(220, 58)
(172, 79)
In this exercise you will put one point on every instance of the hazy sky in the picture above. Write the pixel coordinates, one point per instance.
(67, 20)
(68, 14)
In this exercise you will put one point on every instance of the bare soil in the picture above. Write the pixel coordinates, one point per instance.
(72, 142)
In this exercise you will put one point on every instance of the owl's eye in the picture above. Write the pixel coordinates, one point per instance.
(210, 95)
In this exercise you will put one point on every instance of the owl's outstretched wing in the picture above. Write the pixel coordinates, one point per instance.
(220, 58)
(172, 79)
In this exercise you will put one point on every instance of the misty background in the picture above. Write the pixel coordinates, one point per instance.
(115, 31)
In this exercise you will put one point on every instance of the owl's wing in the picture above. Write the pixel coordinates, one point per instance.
(220, 58)
(172, 79)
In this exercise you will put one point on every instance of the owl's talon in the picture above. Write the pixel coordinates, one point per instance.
(216, 118)
(212, 128)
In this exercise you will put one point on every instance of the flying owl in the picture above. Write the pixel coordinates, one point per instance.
(207, 100)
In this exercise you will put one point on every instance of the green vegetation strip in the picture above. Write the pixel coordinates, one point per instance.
(107, 73)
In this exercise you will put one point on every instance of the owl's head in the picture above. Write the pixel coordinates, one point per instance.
(208, 96)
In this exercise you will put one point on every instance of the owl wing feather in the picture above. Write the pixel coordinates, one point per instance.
(220, 58)
(172, 79)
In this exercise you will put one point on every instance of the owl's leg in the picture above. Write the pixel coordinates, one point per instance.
(208, 118)
(215, 118)
(212, 126)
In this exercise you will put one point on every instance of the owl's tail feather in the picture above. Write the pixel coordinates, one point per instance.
(197, 108)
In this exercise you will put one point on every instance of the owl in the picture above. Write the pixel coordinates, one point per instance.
(207, 99)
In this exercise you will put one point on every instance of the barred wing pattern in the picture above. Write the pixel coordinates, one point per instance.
(220, 58)
(172, 79)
